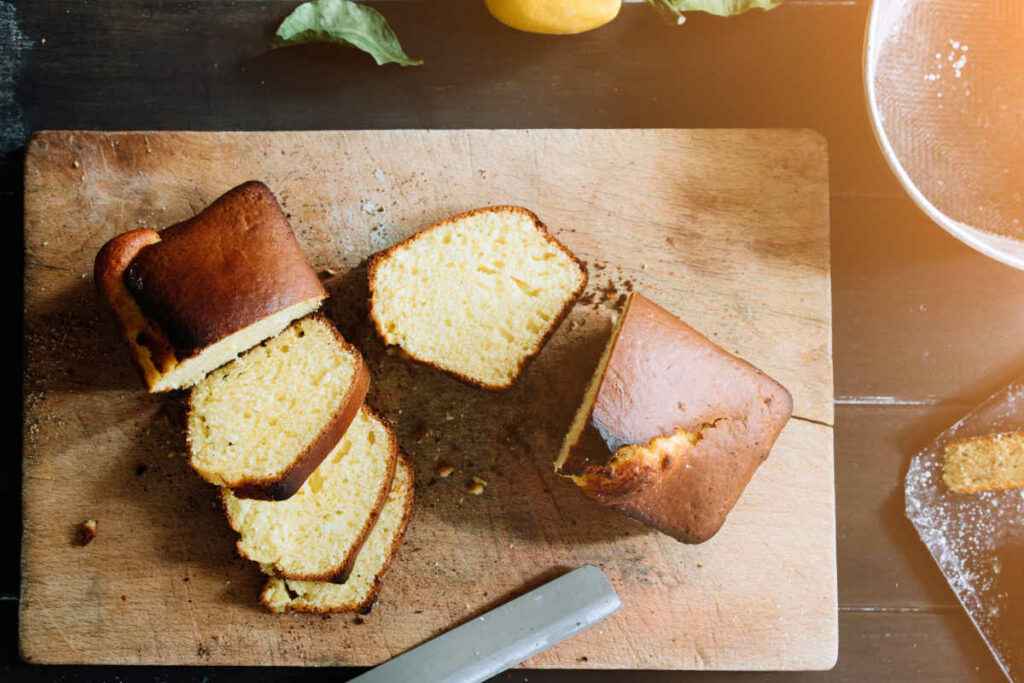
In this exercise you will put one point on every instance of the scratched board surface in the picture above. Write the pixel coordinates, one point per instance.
(728, 229)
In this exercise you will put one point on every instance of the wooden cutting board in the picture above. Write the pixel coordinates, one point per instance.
(729, 229)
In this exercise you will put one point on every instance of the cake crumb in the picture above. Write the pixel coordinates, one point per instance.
(444, 470)
(87, 532)
(476, 486)
(421, 431)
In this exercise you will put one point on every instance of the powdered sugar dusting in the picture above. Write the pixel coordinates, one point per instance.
(977, 540)
(945, 81)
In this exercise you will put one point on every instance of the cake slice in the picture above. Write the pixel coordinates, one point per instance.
(477, 294)
(994, 462)
(672, 427)
(192, 297)
(360, 591)
(263, 423)
(316, 534)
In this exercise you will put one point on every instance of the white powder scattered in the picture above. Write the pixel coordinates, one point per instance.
(371, 207)
(956, 59)
(959, 65)
(964, 533)
(380, 175)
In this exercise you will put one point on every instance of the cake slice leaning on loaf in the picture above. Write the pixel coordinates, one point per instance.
(360, 591)
(672, 427)
(263, 423)
(316, 534)
(192, 297)
(476, 295)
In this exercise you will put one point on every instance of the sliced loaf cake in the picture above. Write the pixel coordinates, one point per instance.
(477, 294)
(263, 423)
(316, 534)
(193, 296)
(360, 591)
(994, 462)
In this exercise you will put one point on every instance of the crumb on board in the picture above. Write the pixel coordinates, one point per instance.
(444, 470)
(475, 486)
(86, 532)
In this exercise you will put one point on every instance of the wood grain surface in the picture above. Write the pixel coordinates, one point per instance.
(908, 299)
(727, 228)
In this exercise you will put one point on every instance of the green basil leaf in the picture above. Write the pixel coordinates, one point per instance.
(720, 8)
(343, 22)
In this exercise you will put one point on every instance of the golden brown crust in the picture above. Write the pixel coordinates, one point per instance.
(366, 604)
(380, 256)
(231, 265)
(340, 573)
(396, 542)
(151, 351)
(664, 378)
(285, 484)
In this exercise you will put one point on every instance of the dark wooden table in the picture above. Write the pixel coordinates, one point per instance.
(924, 327)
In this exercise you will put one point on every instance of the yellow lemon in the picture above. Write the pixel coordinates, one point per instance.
(554, 16)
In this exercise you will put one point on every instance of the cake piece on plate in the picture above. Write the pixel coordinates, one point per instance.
(672, 427)
(994, 462)
(193, 296)
(477, 294)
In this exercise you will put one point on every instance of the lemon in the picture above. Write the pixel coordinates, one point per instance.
(554, 16)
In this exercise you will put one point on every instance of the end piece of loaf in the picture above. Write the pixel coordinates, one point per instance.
(672, 427)
(192, 297)
(261, 424)
(994, 462)
(360, 591)
(316, 534)
(477, 294)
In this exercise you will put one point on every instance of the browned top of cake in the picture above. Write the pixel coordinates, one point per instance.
(678, 425)
(234, 263)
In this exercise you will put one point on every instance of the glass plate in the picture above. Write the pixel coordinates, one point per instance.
(978, 539)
